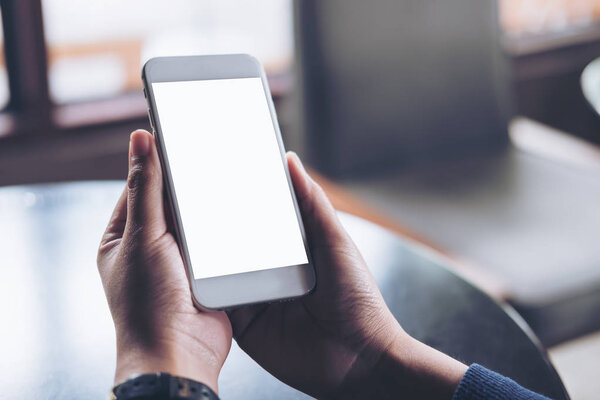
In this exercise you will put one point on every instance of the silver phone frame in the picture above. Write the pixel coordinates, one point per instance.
(236, 290)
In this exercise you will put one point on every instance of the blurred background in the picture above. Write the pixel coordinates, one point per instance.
(469, 125)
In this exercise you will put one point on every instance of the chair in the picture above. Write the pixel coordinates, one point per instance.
(408, 102)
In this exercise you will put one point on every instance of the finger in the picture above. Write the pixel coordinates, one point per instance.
(117, 221)
(318, 214)
(145, 207)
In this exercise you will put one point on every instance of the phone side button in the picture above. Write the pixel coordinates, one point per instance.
(151, 119)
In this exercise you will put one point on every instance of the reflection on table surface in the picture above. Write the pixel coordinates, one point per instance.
(57, 339)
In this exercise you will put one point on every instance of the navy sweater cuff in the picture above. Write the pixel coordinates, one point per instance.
(480, 383)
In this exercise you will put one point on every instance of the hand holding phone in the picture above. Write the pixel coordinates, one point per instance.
(339, 342)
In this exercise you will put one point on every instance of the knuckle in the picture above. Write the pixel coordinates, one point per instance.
(137, 177)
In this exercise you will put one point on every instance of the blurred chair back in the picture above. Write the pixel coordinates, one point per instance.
(387, 83)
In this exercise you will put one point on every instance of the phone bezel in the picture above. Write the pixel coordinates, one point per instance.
(227, 291)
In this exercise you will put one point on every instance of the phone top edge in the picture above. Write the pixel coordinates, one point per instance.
(201, 67)
(203, 56)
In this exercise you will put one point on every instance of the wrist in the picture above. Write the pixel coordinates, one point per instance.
(162, 385)
(168, 357)
(424, 371)
(403, 368)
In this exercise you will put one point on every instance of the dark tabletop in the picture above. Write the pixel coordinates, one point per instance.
(57, 335)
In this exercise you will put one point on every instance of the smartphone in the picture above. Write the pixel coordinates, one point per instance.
(235, 214)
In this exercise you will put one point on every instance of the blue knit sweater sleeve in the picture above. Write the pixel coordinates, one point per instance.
(480, 383)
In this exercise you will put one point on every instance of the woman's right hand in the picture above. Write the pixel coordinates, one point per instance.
(341, 341)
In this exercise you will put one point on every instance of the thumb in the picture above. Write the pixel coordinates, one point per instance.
(145, 208)
(318, 214)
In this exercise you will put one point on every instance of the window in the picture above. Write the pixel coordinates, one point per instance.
(532, 17)
(74, 67)
(96, 48)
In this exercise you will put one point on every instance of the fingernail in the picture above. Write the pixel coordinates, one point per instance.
(139, 144)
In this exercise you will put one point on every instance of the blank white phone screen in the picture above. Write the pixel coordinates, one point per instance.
(234, 200)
